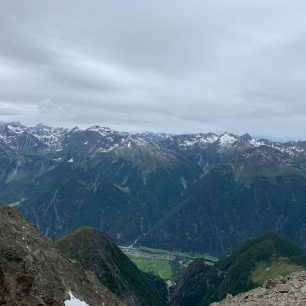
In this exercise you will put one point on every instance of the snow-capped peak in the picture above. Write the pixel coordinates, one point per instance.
(227, 139)
(16, 129)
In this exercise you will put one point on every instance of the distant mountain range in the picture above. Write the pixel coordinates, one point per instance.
(193, 192)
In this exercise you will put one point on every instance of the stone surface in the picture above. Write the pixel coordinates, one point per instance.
(34, 272)
(283, 291)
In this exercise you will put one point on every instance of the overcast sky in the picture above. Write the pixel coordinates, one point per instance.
(163, 65)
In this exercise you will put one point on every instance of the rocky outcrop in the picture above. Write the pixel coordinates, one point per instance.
(283, 291)
(34, 272)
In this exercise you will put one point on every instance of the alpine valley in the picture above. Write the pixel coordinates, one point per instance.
(202, 193)
(173, 203)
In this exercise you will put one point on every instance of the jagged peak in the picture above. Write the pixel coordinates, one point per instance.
(227, 139)
(15, 124)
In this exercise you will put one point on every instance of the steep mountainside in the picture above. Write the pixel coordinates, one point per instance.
(220, 211)
(117, 182)
(34, 272)
(69, 196)
(257, 261)
(96, 252)
(287, 291)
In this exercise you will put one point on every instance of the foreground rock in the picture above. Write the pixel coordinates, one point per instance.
(283, 291)
(34, 272)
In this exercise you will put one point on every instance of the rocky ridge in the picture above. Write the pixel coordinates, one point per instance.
(283, 291)
(97, 253)
(34, 272)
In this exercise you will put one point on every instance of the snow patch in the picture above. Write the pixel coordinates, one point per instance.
(57, 159)
(16, 129)
(201, 139)
(256, 143)
(18, 203)
(73, 301)
(104, 150)
(103, 131)
(184, 183)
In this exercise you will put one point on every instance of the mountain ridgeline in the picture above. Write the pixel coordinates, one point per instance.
(97, 253)
(34, 272)
(194, 192)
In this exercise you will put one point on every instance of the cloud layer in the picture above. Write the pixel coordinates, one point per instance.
(172, 66)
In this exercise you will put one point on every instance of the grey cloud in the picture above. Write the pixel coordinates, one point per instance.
(8, 111)
(155, 65)
(47, 106)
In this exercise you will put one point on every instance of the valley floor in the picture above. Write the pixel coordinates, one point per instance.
(168, 265)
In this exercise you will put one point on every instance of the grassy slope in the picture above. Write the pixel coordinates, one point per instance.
(278, 266)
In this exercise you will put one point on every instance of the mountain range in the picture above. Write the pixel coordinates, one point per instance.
(193, 192)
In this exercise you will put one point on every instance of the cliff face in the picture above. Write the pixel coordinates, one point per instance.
(34, 272)
(285, 290)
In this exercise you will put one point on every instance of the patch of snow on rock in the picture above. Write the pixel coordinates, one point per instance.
(73, 301)
(256, 143)
(103, 131)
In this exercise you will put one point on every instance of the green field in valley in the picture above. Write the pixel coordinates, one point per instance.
(160, 267)
(168, 265)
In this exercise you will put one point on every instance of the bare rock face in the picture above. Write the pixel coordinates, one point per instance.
(283, 291)
(34, 272)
